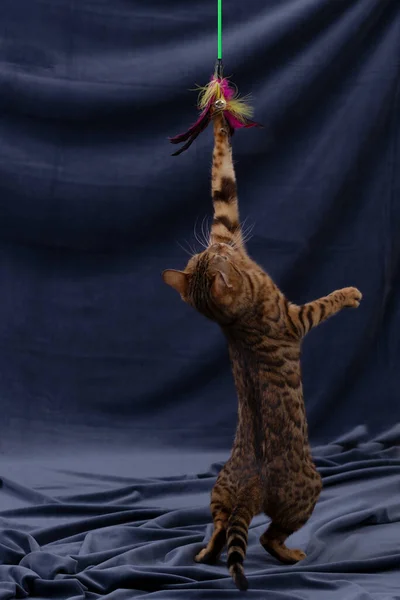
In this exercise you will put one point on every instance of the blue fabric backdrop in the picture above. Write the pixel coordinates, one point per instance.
(117, 404)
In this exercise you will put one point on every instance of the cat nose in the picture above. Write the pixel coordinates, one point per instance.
(218, 258)
(220, 247)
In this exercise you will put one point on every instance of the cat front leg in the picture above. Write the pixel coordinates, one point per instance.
(226, 226)
(309, 315)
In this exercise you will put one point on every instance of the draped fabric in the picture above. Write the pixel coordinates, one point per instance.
(117, 403)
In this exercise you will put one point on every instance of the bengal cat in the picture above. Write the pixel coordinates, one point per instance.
(270, 469)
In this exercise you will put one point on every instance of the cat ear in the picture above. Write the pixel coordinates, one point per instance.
(176, 279)
(220, 284)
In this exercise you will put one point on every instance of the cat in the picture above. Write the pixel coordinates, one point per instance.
(270, 469)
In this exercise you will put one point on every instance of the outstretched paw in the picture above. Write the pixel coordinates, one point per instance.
(352, 297)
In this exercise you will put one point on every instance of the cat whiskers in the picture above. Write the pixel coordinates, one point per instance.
(244, 235)
(202, 239)
(199, 240)
(189, 251)
(247, 234)
(205, 230)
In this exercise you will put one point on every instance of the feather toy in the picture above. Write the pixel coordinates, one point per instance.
(219, 95)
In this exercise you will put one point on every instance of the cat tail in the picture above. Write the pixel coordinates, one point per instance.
(237, 532)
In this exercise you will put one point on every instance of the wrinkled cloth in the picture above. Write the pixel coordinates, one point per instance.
(85, 527)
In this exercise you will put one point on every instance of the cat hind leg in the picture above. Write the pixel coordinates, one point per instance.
(290, 518)
(220, 514)
(273, 541)
(212, 551)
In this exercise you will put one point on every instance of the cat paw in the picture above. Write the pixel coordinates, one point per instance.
(203, 556)
(297, 555)
(287, 556)
(352, 297)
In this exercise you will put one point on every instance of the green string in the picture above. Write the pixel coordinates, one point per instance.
(219, 30)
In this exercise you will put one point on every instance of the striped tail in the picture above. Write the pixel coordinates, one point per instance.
(226, 225)
(237, 532)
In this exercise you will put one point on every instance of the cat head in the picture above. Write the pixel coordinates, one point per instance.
(215, 282)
